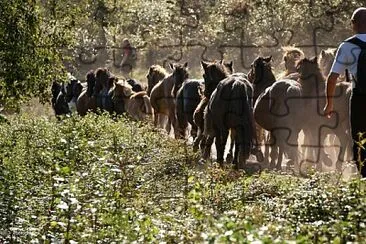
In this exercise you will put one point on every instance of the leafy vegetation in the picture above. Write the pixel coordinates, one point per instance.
(96, 179)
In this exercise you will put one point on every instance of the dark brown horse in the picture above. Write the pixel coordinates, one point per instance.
(231, 108)
(186, 92)
(83, 103)
(187, 99)
(214, 72)
(102, 76)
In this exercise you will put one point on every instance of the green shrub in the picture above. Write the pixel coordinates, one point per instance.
(97, 179)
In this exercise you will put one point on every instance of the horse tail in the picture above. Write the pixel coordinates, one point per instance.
(249, 124)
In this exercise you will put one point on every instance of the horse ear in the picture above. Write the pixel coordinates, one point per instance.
(268, 59)
(204, 65)
(231, 64)
(171, 66)
(221, 62)
(185, 65)
(314, 59)
(322, 52)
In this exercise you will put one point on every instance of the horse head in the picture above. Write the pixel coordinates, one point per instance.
(90, 80)
(326, 59)
(180, 74)
(101, 79)
(311, 77)
(308, 68)
(261, 75)
(214, 72)
(155, 74)
(290, 57)
(122, 91)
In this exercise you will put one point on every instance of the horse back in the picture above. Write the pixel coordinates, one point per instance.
(231, 103)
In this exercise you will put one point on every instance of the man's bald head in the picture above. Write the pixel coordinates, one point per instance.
(359, 20)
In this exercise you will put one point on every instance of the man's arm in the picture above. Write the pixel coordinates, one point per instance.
(330, 89)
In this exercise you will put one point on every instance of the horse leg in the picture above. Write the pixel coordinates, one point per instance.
(291, 150)
(279, 157)
(168, 126)
(156, 119)
(344, 140)
(207, 143)
(323, 155)
(182, 128)
(229, 156)
(174, 123)
(197, 140)
(308, 145)
(194, 127)
(194, 130)
(221, 138)
(274, 150)
(182, 122)
(236, 153)
(257, 149)
(202, 143)
(244, 150)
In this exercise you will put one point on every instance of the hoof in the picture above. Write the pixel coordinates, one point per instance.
(272, 166)
(229, 158)
(195, 148)
(259, 156)
(327, 161)
(279, 167)
(252, 168)
(339, 165)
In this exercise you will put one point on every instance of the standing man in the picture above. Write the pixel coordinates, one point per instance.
(128, 58)
(351, 55)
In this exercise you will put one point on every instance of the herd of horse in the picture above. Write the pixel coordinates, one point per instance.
(255, 109)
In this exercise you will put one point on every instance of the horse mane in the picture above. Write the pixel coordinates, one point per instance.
(261, 75)
(216, 71)
(326, 58)
(219, 65)
(331, 51)
(159, 70)
(292, 52)
(124, 87)
(99, 71)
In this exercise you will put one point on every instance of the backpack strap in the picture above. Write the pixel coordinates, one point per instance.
(357, 42)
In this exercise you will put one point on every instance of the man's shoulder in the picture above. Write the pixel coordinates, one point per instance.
(348, 44)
